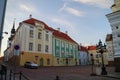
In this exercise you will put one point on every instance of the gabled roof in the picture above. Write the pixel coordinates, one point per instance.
(56, 33)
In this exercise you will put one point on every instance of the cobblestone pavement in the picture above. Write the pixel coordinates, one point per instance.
(64, 73)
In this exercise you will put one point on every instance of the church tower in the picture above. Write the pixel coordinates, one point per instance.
(12, 31)
(12, 35)
(114, 19)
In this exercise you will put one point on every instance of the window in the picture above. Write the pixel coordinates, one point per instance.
(57, 42)
(62, 44)
(118, 35)
(117, 27)
(39, 35)
(39, 47)
(31, 33)
(67, 45)
(48, 61)
(46, 48)
(70, 46)
(47, 37)
(30, 46)
(58, 61)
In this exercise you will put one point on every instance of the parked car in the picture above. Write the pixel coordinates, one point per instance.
(31, 65)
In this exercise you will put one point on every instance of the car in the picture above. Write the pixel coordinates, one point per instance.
(30, 65)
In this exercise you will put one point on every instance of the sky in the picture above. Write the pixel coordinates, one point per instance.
(85, 20)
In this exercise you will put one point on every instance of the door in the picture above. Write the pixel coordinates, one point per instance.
(41, 62)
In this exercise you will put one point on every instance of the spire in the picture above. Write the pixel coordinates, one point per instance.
(13, 24)
(13, 28)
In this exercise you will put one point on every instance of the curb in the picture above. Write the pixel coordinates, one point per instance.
(109, 76)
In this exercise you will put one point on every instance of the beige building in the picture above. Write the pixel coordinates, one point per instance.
(96, 56)
(34, 38)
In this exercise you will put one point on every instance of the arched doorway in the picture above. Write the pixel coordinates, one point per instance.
(41, 61)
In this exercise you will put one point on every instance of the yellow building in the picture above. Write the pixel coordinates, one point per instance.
(97, 56)
(116, 6)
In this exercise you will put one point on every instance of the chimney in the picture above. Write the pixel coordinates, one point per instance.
(30, 16)
(58, 29)
(66, 32)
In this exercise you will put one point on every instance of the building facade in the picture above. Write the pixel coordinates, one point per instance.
(41, 44)
(114, 19)
(109, 42)
(97, 56)
(65, 52)
(83, 55)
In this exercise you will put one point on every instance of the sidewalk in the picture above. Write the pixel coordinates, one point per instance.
(111, 73)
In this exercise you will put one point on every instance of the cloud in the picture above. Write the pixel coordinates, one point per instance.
(64, 6)
(70, 10)
(98, 3)
(26, 8)
(73, 11)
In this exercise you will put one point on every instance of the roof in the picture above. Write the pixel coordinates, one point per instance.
(56, 33)
(82, 48)
(91, 47)
(109, 37)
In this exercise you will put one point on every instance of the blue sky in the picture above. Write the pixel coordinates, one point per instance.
(84, 20)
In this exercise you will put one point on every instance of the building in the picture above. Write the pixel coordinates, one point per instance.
(65, 49)
(97, 56)
(114, 19)
(83, 55)
(41, 44)
(109, 42)
(2, 15)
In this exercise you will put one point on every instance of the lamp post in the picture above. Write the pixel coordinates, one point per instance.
(16, 53)
(92, 62)
(101, 49)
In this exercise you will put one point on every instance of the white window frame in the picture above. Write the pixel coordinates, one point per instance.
(30, 46)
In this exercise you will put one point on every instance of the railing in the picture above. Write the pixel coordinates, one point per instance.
(10, 75)
(20, 74)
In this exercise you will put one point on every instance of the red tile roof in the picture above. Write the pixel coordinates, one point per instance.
(82, 48)
(91, 48)
(56, 33)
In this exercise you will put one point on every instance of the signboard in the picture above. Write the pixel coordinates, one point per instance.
(16, 50)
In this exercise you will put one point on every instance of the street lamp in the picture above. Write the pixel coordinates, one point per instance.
(101, 49)
(92, 62)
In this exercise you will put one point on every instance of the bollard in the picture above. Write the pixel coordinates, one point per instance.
(10, 74)
(20, 75)
(57, 78)
(3, 71)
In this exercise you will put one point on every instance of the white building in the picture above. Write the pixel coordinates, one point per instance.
(110, 54)
(114, 19)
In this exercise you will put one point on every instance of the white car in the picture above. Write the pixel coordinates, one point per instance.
(31, 65)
